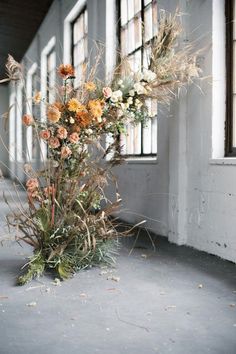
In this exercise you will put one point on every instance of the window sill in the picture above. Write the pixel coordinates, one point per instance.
(142, 160)
(228, 161)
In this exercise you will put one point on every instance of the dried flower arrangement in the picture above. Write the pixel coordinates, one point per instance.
(67, 219)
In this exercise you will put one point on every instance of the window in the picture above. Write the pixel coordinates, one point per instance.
(138, 26)
(48, 81)
(31, 88)
(230, 140)
(79, 43)
(51, 75)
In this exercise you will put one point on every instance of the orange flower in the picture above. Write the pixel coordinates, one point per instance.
(61, 133)
(75, 106)
(45, 134)
(32, 184)
(95, 108)
(90, 86)
(37, 97)
(83, 118)
(53, 113)
(65, 152)
(66, 70)
(73, 138)
(58, 105)
(54, 142)
(27, 119)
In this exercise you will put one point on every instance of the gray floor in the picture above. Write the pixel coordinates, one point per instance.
(175, 300)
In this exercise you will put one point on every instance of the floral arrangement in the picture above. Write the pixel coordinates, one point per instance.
(67, 219)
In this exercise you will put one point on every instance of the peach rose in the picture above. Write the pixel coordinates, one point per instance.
(53, 113)
(27, 119)
(65, 152)
(45, 134)
(107, 92)
(32, 184)
(54, 142)
(62, 133)
(73, 138)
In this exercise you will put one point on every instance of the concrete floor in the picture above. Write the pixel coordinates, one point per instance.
(175, 300)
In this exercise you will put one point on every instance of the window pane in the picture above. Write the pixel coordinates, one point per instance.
(124, 14)
(138, 31)
(130, 9)
(137, 6)
(147, 23)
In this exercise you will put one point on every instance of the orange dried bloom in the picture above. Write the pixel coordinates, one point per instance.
(58, 105)
(95, 108)
(66, 70)
(75, 106)
(83, 118)
(27, 119)
(90, 86)
(53, 113)
(37, 97)
(32, 184)
(49, 190)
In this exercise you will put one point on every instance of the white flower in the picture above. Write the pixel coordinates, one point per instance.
(124, 106)
(89, 131)
(116, 96)
(149, 76)
(138, 104)
(132, 93)
(120, 82)
(130, 100)
(139, 89)
(72, 120)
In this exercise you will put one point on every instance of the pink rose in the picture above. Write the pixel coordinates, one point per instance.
(32, 184)
(107, 92)
(61, 133)
(45, 134)
(65, 152)
(73, 138)
(54, 143)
